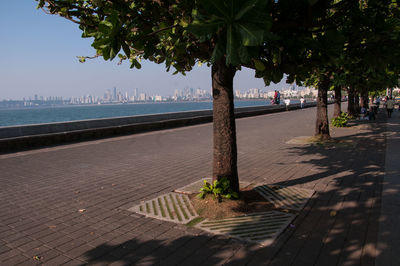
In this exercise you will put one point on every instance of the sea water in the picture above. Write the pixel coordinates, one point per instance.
(39, 115)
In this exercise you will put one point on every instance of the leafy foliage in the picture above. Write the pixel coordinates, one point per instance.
(341, 121)
(219, 188)
(235, 26)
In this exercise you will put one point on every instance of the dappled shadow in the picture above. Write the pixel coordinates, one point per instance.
(341, 225)
(184, 250)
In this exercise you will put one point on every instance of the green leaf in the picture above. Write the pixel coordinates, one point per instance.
(231, 50)
(126, 49)
(235, 194)
(218, 51)
(217, 8)
(105, 26)
(248, 6)
(244, 55)
(251, 34)
(203, 29)
(106, 52)
(259, 65)
(135, 64)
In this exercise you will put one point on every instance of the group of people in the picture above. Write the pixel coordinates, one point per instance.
(277, 100)
(370, 114)
(388, 104)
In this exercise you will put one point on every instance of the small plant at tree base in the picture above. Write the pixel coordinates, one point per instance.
(341, 120)
(219, 188)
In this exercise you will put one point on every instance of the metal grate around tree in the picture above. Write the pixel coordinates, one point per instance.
(172, 207)
(261, 228)
(293, 198)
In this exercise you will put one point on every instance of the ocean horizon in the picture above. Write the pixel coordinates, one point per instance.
(53, 114)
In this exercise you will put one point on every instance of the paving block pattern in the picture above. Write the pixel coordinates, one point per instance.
(196, 186)
(171, 207)
(293, 198)
(261, 228)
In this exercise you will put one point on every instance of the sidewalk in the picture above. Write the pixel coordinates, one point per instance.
(68, 204)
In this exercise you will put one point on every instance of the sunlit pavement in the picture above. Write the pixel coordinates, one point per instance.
(68, 204)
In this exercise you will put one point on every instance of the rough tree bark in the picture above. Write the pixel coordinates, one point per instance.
(356, 103)
(337, 108)
(364, 99)
(224, 128)
(322, 123)
(350, 105)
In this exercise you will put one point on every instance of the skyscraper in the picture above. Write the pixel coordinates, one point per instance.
(115, 94)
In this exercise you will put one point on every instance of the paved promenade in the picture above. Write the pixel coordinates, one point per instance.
(67, 205)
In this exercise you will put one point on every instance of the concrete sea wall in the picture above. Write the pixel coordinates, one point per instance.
(14, 138)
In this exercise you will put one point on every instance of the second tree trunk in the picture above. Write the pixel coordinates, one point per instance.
(322, 123)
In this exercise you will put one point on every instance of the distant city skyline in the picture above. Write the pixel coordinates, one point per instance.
(115, 96)
(39, 57)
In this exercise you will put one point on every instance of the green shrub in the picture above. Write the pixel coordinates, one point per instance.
(341, 120)
(219, 188)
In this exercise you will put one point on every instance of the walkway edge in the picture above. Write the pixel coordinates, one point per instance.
(388, 246)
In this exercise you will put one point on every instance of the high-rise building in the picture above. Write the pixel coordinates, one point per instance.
(142, 97)
(114, 94)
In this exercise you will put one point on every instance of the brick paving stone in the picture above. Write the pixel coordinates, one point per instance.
(183, 252)
(70, 245)
(19, 242)
(77, 252)
(59, 260)
(59, 241)
(16, 260)
(4, 248)
(49, 254)
(43, 190)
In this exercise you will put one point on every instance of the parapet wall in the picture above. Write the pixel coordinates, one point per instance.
(15, 138)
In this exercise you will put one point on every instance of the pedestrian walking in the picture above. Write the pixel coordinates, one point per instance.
(302, 102)
(287, 103)
(389, 106)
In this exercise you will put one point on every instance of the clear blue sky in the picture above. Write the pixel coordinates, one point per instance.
(38, 56)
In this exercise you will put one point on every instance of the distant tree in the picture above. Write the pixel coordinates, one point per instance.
(355, 51)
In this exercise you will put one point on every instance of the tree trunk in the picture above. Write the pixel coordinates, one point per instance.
(350, 105)
(364, 99)
(338, 101)
(224, 128)
(356, 103)
(322, 123)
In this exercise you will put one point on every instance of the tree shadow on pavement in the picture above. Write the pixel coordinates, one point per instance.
(341, 224)
(184, 250)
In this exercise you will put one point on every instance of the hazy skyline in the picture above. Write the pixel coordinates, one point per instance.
(38, 56)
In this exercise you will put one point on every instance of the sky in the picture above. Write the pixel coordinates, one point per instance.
(38, 56)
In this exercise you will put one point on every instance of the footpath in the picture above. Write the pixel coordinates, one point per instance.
(68, 205)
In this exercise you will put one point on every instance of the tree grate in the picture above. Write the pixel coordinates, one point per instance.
(171, 207)
(293, 198)
(261, 228)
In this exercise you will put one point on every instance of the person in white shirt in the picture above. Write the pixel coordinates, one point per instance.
(389, 106)
(302, 102)
(287, 102)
